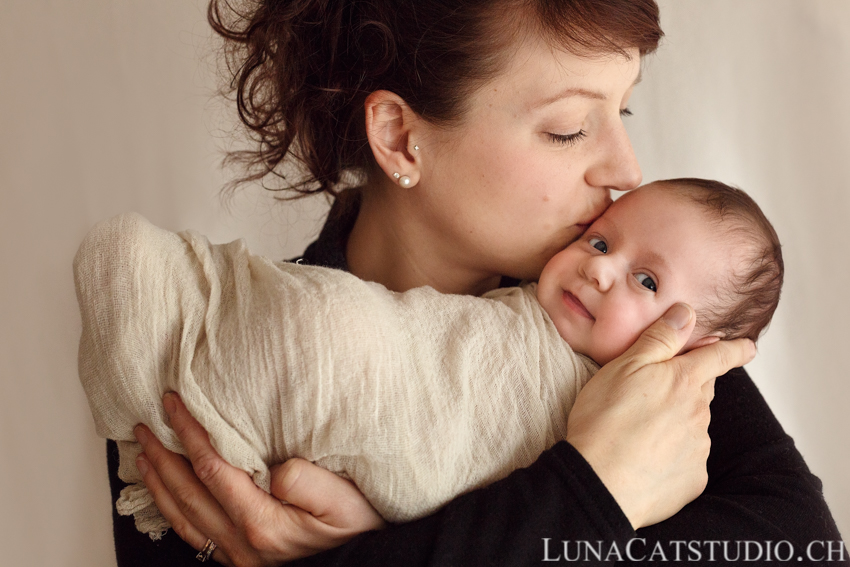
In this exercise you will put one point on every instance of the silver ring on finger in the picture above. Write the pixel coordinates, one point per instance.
(205, 554)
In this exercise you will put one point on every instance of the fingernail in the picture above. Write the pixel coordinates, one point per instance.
(142, 465)
(168, 402)
(678, 316)
(141, 435)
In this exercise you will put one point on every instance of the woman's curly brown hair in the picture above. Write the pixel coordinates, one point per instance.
(302, 69)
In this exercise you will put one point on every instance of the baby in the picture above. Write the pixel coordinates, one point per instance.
(416, 396)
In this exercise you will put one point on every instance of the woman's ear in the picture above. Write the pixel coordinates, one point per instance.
(389, 127)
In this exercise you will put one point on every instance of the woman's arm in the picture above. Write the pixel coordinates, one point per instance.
(759, 490)
(759, 487)
(561, 491)
(205, 497)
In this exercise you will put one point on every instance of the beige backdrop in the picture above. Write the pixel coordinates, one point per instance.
(108, 106)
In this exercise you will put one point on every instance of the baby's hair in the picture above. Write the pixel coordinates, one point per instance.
(302, 69)
(744, 309)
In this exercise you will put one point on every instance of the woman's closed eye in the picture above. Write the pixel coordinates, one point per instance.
(646, 281)
(567, 139)
(599, 244)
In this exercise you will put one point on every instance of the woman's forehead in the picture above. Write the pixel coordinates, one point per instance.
(538, 76)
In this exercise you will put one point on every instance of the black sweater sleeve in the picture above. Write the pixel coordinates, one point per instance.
(759, 487)
(759, 490)
(502, 524)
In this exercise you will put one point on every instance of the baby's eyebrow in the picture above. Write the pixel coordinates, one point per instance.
(610, 227)
(656, 259)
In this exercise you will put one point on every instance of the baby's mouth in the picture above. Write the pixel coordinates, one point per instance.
(577, 306)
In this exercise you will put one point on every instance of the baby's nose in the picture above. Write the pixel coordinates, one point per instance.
(600, 270)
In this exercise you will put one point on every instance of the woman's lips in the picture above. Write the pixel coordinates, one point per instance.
(574, 304)
(583, 226)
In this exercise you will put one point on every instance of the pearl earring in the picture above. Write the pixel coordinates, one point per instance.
(404, 181)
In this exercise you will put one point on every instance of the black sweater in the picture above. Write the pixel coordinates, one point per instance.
(759, 490)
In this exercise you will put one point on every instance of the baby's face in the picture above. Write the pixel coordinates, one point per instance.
(650, 250)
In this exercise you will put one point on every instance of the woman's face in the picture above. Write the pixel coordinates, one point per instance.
(531, 165)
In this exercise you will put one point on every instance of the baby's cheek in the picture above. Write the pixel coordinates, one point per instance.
(610, 343)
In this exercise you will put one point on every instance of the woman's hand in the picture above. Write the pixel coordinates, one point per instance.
(642, 420)
(208, 498)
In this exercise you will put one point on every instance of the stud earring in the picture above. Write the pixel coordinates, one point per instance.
(404, 181)
(396, 175)
(416, 148)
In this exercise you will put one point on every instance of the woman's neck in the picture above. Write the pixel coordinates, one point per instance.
(393, 249)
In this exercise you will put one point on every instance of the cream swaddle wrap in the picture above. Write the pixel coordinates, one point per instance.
(417, 396)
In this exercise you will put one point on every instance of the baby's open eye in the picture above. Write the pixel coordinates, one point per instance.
(599, 245)
(647, 282)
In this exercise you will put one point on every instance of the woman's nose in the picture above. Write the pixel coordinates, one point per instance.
(600, 271)
(616, 167)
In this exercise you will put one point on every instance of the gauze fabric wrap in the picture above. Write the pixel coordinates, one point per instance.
(417, 397)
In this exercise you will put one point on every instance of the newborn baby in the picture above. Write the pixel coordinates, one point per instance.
(416, 396)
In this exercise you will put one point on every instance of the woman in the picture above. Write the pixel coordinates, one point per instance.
(489, 140)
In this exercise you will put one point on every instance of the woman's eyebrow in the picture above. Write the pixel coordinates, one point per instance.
(574, 91)
(567, 93)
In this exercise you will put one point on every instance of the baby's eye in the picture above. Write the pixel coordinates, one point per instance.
(599, 245)
(646, 282)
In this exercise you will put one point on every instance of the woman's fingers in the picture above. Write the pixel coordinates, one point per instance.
(171, 510)
(210, 498)
(327, 496)
(180, 479)
(708, 390)
(642, 420)
(215, 500)
(708, 362)
(664, 338)
(228, 486)
(195, 499)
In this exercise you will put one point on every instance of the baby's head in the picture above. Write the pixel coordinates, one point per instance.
(682, 240)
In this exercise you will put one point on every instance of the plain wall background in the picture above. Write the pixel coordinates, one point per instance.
(108, 106)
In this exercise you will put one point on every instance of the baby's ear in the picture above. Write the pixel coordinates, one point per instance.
(700, 342)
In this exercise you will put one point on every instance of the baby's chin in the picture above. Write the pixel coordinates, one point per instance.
(603, 354)
(583, 345)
